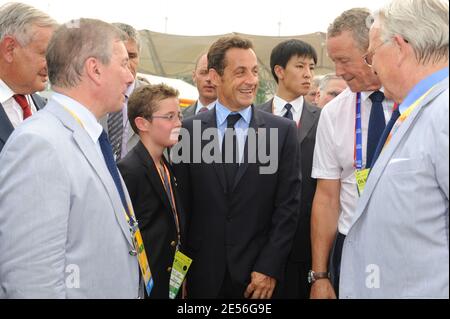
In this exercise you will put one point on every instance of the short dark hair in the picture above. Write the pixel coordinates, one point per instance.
(217, 51)
(284, 51)
(144, 101)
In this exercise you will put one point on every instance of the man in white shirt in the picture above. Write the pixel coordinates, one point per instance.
(292, 63)
(71, 212)
(24, 36)
(207, 95)
(342, 143)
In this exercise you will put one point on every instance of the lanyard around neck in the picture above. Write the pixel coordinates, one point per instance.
(164, 175)
(357, 154)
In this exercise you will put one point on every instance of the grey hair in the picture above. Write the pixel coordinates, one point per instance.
(18, 19)
(326, 79)
(355, 21)
(75, 42)
(316, 80)
(430, 39)
(132, 33)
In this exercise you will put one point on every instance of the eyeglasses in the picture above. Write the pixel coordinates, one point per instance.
(369, 55)
(169, 117)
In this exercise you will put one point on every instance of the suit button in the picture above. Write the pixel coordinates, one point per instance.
(132, 252)
(173, 243)
(169, 269)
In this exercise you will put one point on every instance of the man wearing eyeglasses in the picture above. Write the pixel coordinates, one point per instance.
(347, 135)
(397, 246)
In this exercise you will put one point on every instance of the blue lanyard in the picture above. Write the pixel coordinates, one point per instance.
(358, 134)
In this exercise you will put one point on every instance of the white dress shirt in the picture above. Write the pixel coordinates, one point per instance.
(83, 116)
(200, 106)
(335, 147)
(12, 109)
(297, 107)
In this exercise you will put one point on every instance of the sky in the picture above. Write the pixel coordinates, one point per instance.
(208, 17)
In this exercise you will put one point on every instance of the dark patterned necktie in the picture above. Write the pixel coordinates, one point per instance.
(230, 153)
(288, 113)
(115, 133)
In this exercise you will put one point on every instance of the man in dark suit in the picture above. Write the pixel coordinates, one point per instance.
(207, 94)
(243, 211)
(24, 36)
(292, 63)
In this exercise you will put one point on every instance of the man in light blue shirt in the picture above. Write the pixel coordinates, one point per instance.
(398, 245)
(242, 217)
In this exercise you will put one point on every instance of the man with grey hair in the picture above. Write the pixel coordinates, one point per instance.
(311, 96)
(72, 213)
(24, 36)
(117, 125)
(330, 86)
(398, 244)
(347, 135)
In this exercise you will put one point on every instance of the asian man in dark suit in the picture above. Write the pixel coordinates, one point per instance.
(155, 116)
(292, 63)
(24, 37)
(242, 210)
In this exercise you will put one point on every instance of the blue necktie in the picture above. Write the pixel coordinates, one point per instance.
(377, 123)
(288, 113)
(387, 130)
(112, 167)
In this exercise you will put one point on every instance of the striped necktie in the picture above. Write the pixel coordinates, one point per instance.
(115, 133)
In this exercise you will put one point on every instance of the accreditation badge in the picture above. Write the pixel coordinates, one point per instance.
(142, 259)
(180, 267)
(361, 179)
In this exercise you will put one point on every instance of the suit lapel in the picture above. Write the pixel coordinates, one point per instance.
(151, 171)
(38, 101)
(6, 127)
(306, 121)
(267, 107)
(209, 121)
(86, 146)
(250, 156)
(388, 152)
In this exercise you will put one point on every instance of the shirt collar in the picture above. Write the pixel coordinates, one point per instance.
(222, 113)
(5, 92)
(200, 105)
(422, 87)
(130, 89)
(87, 119)
(366, 94)
(279, 104)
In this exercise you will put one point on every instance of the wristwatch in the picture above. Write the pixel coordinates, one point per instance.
(314, 276)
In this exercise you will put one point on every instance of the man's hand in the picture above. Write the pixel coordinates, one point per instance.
(261, 286)
(322, 289)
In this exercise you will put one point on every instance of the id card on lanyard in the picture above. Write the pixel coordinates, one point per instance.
(138, 243)
(135, 233)
(181, 262)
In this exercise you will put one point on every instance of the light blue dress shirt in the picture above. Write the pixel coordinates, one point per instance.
(241, 126)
